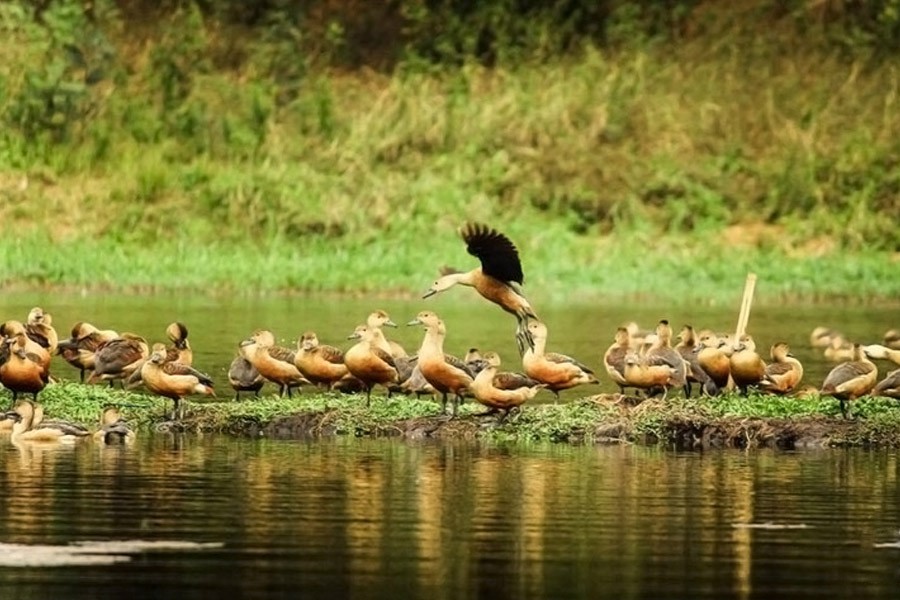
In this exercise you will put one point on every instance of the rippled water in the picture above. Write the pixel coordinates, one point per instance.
(382, 519)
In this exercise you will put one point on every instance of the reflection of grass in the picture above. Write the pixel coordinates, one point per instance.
(727, 420)
(559, 265)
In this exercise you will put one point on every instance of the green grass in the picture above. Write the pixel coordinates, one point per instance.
(735, 420)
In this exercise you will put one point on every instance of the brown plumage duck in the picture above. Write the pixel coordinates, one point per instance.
(39, 328)
(839, 349)
(114, 430)
(21, 371)
(174, 380)
(784, 373)
(85, 340)
(31, 427)
(877, 351)
(448, 374)
(892, 339)
(502, 391)
(377, 321)
(13, 328)
(662, 353)
(320, 363)
(370, 363)
(243, 377)
(639, 374)
(177, 333)
(747, 366)
(614, 357)
(557, 371)
(498, 279)
(688, 347)
(713, 360)
(889, 386)
(275, 363)
(852, 379)
(119, 358)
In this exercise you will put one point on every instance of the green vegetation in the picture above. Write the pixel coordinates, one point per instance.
(628, 147)
(726, 421)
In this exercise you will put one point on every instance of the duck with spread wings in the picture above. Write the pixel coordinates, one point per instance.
(498, 279)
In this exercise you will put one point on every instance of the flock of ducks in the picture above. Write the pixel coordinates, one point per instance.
(638, 360)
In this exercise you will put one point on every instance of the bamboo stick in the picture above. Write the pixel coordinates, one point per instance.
(747, 300)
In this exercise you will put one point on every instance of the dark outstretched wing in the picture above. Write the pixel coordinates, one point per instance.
(498, 255)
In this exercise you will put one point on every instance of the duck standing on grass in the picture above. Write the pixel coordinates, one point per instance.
(21, 371)
(80, 348)
(174, 380)
(370, 363)
(645, 376)
(320, 363)
(119, 358)
(747, 367)
(851, 379)
(243, 377)
(275, 363)
(557, 371)
(713, 360)
(661, 352)
(784, 373)
(502, 391)
(614, 358)
(446, 373)
(498, 279)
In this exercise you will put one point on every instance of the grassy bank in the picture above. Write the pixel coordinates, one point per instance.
(669, 169)
(727, 421)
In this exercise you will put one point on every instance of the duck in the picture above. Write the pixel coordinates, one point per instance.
(877, 351)
(67, 427)
(640, 338)
(558, 371)
(713, 360)
(22, 371)
(889, 386)
(275, 363)
(119, 358)
(502, 391)
(614, 357)
(320, 363)
(891, 339)
(784, 373)
(821, 337)
(746, 365)
(114, 430)
(368, 362)
(177, 332)
(174, 380)
(499, 279)
(85, 339)
(13, 328)
(839, 349)
(662, 353)
(243, 377)
(376, 321)
(474, 360)
(688, 348)
(852, 379)
(446, 373)
(7, 420)
(639, 374)
(28, 428)
(417, 384)
(39, 328)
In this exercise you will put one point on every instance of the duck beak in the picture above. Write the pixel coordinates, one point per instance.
(415, 321)
(246, 342)
(353, 336)
(390, 323)
(429, 293)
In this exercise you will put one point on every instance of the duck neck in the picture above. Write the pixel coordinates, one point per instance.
(379, 340)
(432, 344)
(467, 278)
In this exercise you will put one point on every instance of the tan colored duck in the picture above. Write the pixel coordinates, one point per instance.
(243, 377)
(639, 374)
(661, 352)
(499, 279)
(377, 321)
(275, 363)
(614, 358)
(119, 358)
(839, 349)
(784, 373)
(821, 337)
(79, 349)
(688, 348)
(30, 429)
(557, 371)
(370, 363)
(747, 366)
(22, 371)
(892, 339)
(39, 327)
(475, 362)
(320, 363)
(713, 360)
(114, 430)
(889, 386)
(852, 379)
(7, 420)
(640, 338)
(502, 391)
(67, 427)
(448, 374)
(174, 380)
(13, 328)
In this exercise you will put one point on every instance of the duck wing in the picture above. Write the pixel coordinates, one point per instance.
(384, 355)
(176, 368)
(331, 354)
(845, 372)
(562, 358)
(459, 364)
(498, 255)
(508, 380)
(282, 354)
